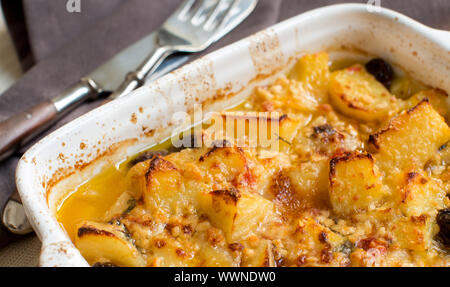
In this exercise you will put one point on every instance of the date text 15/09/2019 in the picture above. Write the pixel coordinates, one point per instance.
(226, 276)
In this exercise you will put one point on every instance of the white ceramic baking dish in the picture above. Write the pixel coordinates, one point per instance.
(52, 168)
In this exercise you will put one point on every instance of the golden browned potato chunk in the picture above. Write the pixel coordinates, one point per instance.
(414, 232)
(310, 182)
(409, 140)
(355, 183)
(224, 163)
(356, 93)
(420, 195)
(320, 241)
(107, 243)
(237, 213)
(164, 187)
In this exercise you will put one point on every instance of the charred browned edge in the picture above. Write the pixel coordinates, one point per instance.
(236, 246)
(415, 176)
(216, 146)
(284, 116)
(373, 140)
(158, 163)
(412, 177)
(345, 157)
(285, 195)
(147, 155)
(421, 219)
(160, 243)
(323, 237)
(229, 195)
(422, 102)
(86, 230)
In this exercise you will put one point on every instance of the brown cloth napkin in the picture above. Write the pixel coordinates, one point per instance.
(61, 47)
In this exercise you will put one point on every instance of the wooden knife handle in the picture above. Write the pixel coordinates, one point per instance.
(17, 128)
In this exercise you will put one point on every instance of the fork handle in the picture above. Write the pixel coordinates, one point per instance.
(136, 78)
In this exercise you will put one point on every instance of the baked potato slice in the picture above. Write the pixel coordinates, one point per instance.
(313, 72)
(238, 214)
(355, 183)
(409, 140)
(356, 93)
(103, 242)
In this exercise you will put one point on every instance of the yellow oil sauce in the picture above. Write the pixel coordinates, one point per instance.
(92, 199)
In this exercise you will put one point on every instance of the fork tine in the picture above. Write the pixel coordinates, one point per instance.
(184, 8)
(198, 8)
(221, 19)
(211, 16)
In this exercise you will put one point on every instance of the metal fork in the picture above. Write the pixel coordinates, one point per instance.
(192, 28)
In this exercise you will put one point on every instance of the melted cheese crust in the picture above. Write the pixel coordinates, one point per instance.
(357, 181)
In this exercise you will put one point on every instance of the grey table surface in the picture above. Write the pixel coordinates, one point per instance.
(24, 252)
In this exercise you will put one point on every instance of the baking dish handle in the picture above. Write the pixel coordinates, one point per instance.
(60, 254)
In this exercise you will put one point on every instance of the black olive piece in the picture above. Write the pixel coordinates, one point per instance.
(148, 155)
(381, 70)
(443, 220)
(104, 264)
